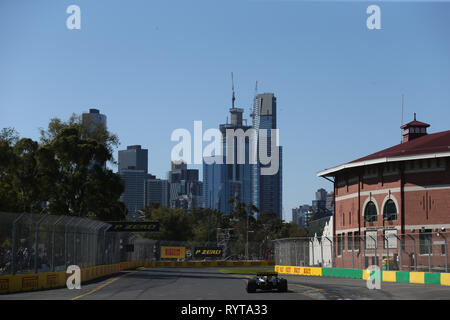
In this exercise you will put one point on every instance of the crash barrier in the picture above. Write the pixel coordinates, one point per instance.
(49, 280)
(52, 280)
(386, 276)
(187, 264)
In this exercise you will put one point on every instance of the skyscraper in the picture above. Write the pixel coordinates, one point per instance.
(134, 158)
(321, 199)
(93, 119)
(133, 168)
(157, 191)
(267, 188)
(133, 196)
(185, 190)
(225, 181)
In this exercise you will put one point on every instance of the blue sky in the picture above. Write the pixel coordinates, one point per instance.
(155, 66)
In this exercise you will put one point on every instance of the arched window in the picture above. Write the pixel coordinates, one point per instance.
(370, 213)
(390, 211)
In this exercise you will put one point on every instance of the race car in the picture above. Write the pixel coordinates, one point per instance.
(266, 281)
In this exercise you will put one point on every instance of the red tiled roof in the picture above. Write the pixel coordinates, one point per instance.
(428, 146)
(415, 123)
(430, 143)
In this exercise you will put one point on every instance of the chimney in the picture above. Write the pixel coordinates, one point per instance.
(414, 129)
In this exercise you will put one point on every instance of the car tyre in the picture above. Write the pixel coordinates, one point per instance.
(282, 285)
(251, 286)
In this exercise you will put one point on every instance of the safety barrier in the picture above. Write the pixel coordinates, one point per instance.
(386, 276)
(52, 280)
(191, 264)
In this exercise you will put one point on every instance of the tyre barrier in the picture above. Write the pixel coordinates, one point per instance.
(386, 276)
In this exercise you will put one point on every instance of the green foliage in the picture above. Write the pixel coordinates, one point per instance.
(85, 129)
(200, 225)
(63, 174)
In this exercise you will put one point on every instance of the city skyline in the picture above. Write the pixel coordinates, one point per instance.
(338, 85)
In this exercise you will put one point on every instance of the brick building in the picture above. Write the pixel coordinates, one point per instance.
(401, 190)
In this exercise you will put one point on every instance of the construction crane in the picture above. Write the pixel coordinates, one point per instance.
(232, 88)
(252, 110)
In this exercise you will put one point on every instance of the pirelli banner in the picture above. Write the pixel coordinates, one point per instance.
(202, 252)
(173, 252)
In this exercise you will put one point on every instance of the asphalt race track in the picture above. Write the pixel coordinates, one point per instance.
(211, 284)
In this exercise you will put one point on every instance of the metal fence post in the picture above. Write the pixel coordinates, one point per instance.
(376, 246)
(296, 256)
(53, 241)
(332, 252)
(430, 249)
(36, 246)
(66, 249)
(353, 254)
(445, 252)
(312, 252)
(75, 253)
(386, 238)
(14, 244)
(415, 251)
(400, 251)
(321, 251)
(104, 245)
(365, 245)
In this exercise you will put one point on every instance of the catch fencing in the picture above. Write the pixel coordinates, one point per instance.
(423, 251)
(31, 243)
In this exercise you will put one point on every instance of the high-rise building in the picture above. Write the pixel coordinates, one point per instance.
(321, 194)
(301, 214)
(93, 119)
(330, 202)
(133, 168)
(134, 195)
(267, 188)
(134, 158)
(157, 191)
(225, 181)
(185, 190)
(321, 199)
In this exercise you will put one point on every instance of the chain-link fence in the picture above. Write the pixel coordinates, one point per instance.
(32, 243)
(424, 251)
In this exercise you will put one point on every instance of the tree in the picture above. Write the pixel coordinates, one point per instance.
(86, 129)
(83, 187)
(64, 174)
(8, 198)
(174, 224)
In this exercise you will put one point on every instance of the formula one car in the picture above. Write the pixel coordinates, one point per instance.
(267, 281)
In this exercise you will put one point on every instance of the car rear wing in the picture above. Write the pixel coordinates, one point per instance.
(261, 274)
